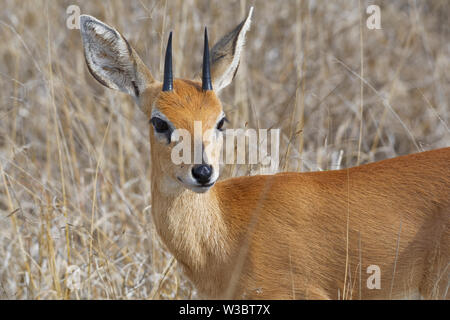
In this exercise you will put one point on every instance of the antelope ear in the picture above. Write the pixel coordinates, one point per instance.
(226, 53)
(111, 60)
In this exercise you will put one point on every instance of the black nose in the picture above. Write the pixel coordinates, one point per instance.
(202, 173)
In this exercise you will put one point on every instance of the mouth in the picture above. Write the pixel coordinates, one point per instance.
(198, 187)
(207, 185)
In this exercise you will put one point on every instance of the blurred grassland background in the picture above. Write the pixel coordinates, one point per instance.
(74, 157)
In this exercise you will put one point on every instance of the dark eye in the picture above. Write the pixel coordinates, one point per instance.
(160, 125)
(221, 123)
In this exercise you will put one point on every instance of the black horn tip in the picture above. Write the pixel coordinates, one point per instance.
(168, 74)
(206, 74)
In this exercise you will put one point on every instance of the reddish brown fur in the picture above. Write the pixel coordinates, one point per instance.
(188, 99)
(290, 235)
(297, 227)
(284, 236)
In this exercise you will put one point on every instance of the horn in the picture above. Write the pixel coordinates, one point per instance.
(206, 76)
(168, 75)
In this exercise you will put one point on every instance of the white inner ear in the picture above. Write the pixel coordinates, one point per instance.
(228, 75)
(108, 55)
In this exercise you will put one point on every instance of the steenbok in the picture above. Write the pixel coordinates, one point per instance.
(376, 231)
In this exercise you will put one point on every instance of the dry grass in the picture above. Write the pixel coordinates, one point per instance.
(74, 157)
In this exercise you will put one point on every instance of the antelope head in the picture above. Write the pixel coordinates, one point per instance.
(174, 105)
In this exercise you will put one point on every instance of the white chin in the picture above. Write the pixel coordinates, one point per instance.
(197, 188)
(200, 189)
